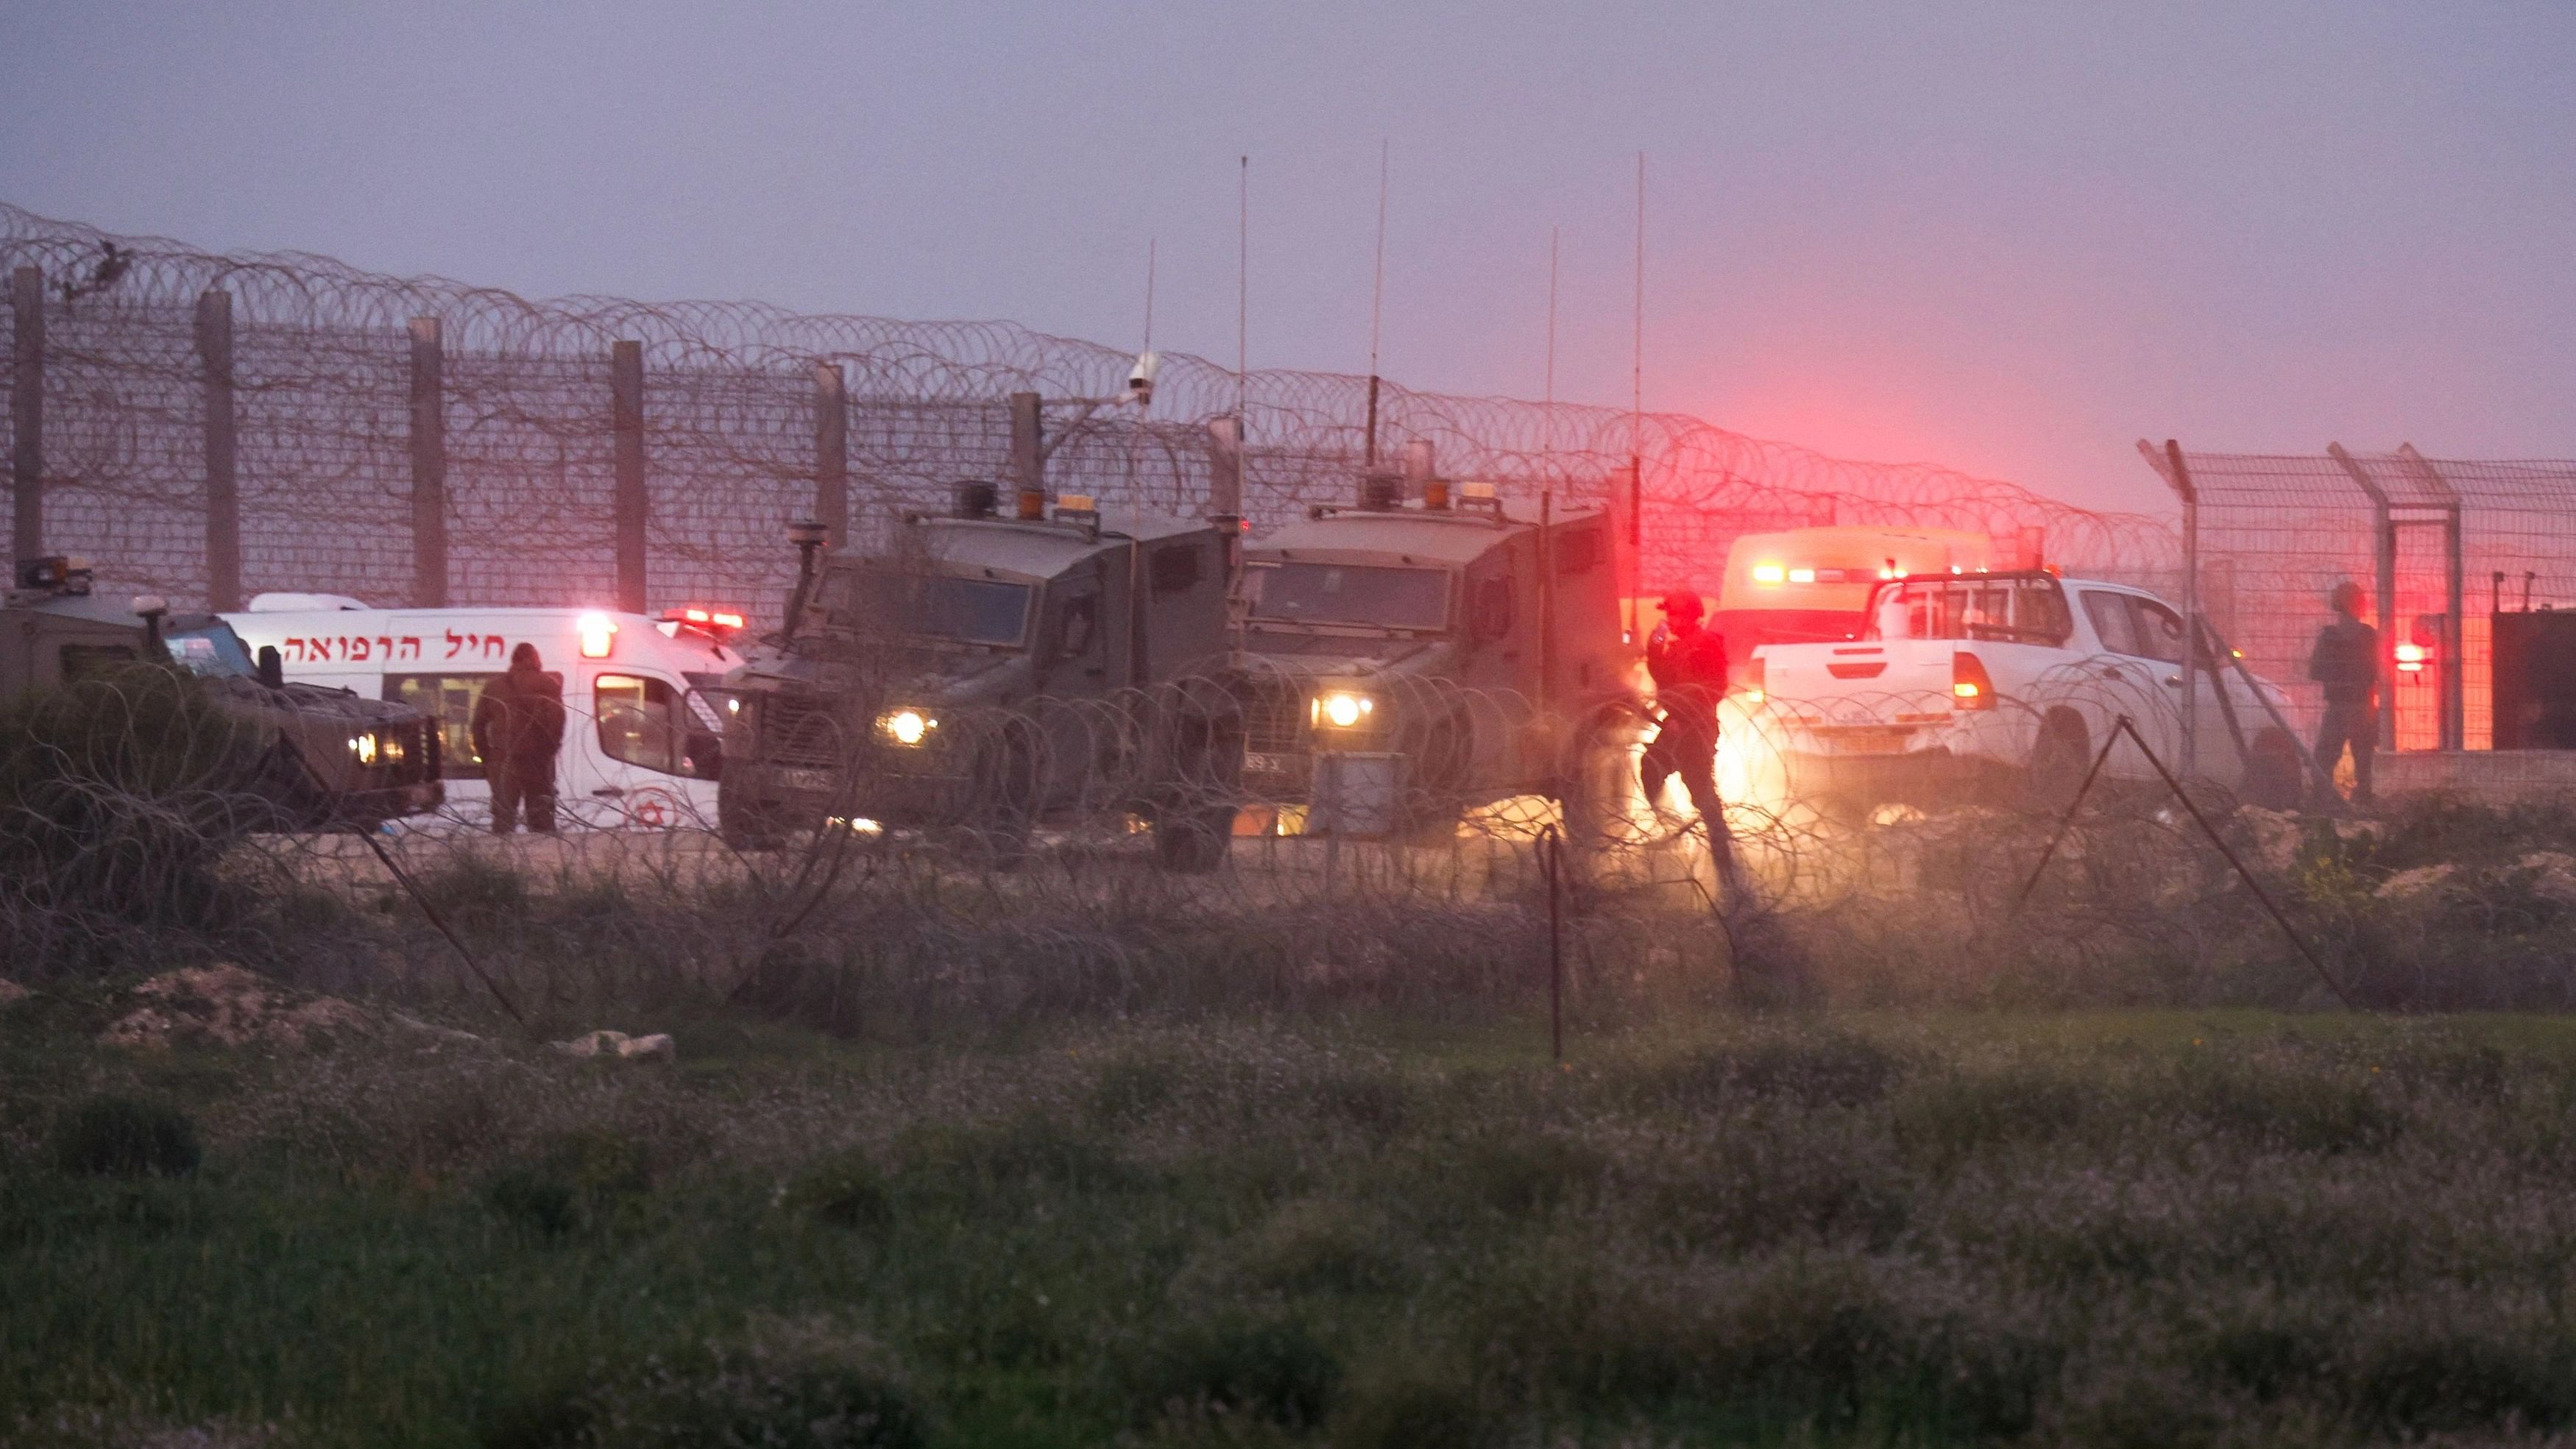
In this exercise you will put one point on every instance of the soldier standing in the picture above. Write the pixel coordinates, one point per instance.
(1688, 664)
(518, 726)
(2346, 662)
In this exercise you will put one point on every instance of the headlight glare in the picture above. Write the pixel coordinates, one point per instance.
(1341, 709)
(906, 727)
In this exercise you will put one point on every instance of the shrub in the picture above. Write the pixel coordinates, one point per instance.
(1516, 1175)
(844, 1190)
(1817, 1070)
(1011, 1155)
(1413, 1403)
(119, 1137)
(581, 1180)
(1270, 1369)
(800, 1384)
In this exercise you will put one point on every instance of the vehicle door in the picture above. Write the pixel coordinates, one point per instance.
(447, 695)
(2138, 674)
(1075, 731)
(2227, 715)
(635, 755)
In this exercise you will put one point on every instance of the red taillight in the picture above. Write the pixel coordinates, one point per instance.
(1970, 688)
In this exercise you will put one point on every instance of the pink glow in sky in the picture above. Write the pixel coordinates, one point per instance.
(2010, 238)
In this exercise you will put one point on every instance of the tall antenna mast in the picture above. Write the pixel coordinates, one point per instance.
(1377, 293)
(1547, 415)
(1149, 294)
(1551, 317)
(1637, 406)
(1242, 284)
(1637, 365)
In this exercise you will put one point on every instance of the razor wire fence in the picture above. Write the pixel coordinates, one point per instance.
(212, 426)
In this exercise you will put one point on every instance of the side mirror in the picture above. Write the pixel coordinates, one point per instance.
(271, 667)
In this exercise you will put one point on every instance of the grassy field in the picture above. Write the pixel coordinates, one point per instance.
(1357, 1229)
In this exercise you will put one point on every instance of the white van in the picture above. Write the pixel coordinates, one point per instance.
(644, 699)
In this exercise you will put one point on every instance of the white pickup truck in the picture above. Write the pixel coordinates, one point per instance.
(1961, 686)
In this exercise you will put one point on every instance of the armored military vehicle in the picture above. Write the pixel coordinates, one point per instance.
(986, 674)
(1474, 653)
(320, 758)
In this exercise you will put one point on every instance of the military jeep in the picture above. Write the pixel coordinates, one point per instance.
(987, 674)
(321, 758)
(1477, 648)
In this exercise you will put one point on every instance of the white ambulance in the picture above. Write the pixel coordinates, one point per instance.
(644, 700)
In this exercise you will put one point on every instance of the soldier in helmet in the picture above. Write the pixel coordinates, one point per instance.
(2346, 662)
(518, 726)
(1688, 663)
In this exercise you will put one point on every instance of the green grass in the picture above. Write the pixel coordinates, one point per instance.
(2162, 1228)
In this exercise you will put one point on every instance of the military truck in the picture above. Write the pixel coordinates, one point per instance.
(321, 758)
(1476, 651)
(987, 674)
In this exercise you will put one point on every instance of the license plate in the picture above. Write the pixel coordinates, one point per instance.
(1872, 742)
(1260, 763)
(819, 781)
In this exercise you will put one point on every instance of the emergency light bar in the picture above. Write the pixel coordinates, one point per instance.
(705, 620)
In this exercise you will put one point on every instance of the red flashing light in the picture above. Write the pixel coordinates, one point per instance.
(714, 623)
(2411, 657)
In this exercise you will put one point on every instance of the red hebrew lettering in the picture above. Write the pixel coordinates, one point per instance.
(294, 648)
(455, 641)
(385, 646)
(492, 646)
(411, 646)
(356, 650)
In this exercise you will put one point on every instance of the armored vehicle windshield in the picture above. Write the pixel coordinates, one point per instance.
(1367, 595)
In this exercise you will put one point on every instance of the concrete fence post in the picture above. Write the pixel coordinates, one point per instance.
(428, 464)
(832, 453)
(223, 481)
(1225, 468)
(1028, 450)
(27, 413)
(626, 420)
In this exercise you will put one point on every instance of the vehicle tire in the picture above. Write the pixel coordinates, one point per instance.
(2058, 760)
(1002, 811)
(747, 822)
(2274, 773)
(1195, 834)
(1586, 805)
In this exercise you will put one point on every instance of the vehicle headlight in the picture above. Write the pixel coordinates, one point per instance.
(906, 727)
(1342, 709)
(364, 747)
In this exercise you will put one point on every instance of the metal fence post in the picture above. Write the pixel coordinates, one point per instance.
(1225, 469)
(2383, 543)
(626, 421)
(832, 453)
(223, 491)
(2181, 480)
(27, 413)
(2451, 732)
(428, 464)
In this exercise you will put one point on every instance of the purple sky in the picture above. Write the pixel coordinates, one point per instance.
(2012, 238)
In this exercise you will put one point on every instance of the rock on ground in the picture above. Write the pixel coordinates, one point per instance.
(619, 1044)
(2406, 885)
(224, 1005)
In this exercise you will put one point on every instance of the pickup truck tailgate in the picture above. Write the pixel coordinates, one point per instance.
(1795, 674)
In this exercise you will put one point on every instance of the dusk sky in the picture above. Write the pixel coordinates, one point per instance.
(2008, 238)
